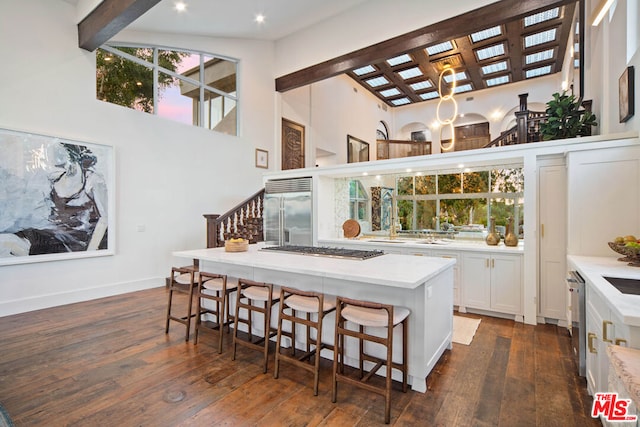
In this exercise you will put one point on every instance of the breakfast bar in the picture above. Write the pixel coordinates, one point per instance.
(422, 284)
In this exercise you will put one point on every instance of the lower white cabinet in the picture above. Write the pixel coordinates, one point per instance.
(492, 282)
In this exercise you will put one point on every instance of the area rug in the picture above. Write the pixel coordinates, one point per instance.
(464, 328)
(5, 420)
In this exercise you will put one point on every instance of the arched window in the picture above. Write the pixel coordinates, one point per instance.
(382, 132)
(191, 87)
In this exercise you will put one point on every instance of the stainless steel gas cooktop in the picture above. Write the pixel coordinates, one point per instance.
(325, 251)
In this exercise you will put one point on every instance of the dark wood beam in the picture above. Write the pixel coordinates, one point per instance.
(108, 18)
(493, 14)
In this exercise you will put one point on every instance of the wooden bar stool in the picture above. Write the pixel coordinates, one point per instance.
(183, 280)
(255, 297)
(370, 314)
(292, 303)
(214, 287)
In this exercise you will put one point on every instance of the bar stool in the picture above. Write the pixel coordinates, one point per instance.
(292, 303)
(214, 287)
(255, 297)
(370, 314)
(183, 280)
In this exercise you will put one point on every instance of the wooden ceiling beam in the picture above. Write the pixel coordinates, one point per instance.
(493, 14)
(108, 18)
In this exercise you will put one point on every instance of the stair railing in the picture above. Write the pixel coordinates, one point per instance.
(244, 220)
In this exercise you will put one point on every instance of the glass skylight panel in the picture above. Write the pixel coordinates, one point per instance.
(494, 68)
(459, 76)
(409, 73)
(439, 48)
(390, 92)
(497, 81)
(541, 17)
(540, 71)
(576, 63)
(401, 101)
(429, 95)
(399, 60)
(490, 52)
(539, 56)
(377, 81)
(540, 38)
(364, 70)
(463, 88)
(421, 85)
(486, 34)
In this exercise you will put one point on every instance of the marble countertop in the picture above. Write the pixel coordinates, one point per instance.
(626, 364)
(594, 268)
(401, 271)
(441, 244)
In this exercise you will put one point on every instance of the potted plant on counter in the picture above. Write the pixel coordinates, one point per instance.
(565, 119)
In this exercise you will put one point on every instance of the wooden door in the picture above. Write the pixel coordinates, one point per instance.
(292, 145)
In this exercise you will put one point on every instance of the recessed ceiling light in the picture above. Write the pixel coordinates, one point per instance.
(181, 6)
(259, 18)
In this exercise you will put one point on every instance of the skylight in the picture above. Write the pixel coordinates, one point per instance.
(490, 52)
(497, 81)
(459, 76)
(399, 60)
(364, 70)
(429, 95)
(439, 48)
(486, 34)
(390, 92)
(540, 71)
(377, 81)
(401, 101)
(539, 56)
(537, 18)
(463, 88)
(494, 68)
(410, 72)
(540, 38)
(576, 63)
(421, 85)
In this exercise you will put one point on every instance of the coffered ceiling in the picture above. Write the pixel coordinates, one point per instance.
(520, 49)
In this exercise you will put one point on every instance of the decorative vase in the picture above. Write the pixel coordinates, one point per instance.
(510, 238)
(493, 238)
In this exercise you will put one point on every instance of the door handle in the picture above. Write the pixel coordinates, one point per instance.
(620, 341)
(590, 337)
(605, 324)
(493, 263)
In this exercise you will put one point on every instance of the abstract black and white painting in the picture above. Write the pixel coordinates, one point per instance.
(56, 198)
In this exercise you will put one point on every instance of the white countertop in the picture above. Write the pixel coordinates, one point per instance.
(593, 268)
(402, 271)
(444, 244)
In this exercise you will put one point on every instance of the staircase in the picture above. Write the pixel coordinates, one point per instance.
(244, 220)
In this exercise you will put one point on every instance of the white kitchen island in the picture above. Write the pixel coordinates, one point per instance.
(422, 284)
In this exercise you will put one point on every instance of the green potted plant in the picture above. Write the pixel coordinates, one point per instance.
(565, 119)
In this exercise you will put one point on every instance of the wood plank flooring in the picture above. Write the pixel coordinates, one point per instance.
(108, 362)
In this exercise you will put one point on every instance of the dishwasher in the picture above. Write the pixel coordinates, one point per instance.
(578, 320)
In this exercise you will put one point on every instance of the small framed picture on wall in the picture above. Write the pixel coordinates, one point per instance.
(262, 158)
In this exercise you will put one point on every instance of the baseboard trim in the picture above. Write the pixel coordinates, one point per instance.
(24, 305)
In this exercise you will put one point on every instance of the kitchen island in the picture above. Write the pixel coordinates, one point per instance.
(422, 284)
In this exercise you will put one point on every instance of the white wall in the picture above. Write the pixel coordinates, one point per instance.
(167, 174)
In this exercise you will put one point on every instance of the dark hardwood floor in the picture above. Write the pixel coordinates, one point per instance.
(108, 362)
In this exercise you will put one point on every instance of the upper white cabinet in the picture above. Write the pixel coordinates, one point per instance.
(604, 198)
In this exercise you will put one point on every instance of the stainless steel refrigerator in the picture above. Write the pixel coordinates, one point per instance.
(288, 212)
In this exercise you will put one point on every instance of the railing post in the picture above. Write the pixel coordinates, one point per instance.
(212, 230)
(522, 119)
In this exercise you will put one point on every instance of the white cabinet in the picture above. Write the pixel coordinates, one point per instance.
(552, 231)
(456, 274)
(492, 281)
(604, 327)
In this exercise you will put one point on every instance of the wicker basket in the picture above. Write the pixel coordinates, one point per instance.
(230, 246)
(631, 255)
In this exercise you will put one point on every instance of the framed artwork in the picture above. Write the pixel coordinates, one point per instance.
(262, 158)
(626, 99)
(357, 150)
(57, 198)
(292, 145)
